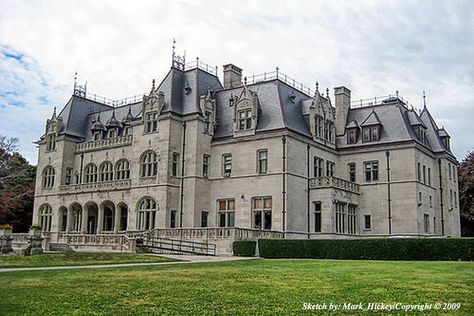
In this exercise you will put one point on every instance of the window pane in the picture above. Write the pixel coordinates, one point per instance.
(221, 219)
(268, 203)
(222, 205)
(258, 219)
(268, 220)
(257, 204)
(231, 205)
(230, 219)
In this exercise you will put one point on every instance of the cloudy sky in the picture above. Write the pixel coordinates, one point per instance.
(372, 47)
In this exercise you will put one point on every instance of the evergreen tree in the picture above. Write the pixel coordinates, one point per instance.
(466, 194)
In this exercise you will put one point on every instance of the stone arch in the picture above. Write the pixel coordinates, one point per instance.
(62, 218)
(108, 219)
(76, 217)
(123, 210)
(147, 208)
(91, 217)
(45, 216)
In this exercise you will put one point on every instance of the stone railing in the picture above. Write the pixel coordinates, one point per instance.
(104, 143)
(96, 186)
(333, 182)
(118, 241)
(234, 233)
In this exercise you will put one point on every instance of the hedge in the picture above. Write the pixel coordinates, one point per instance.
(372, 249)
(244, 248)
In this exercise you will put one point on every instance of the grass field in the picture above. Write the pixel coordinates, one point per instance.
(255, 287)
(75, 259)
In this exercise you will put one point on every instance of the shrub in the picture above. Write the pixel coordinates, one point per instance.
(6, 226)
(371, 249)
(244, 248)
(36, 226)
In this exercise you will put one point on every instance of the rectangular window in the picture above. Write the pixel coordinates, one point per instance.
(151, 122)
(317, 217)
(419, 172)
(374, 133)
(424, 174)
(371, 171)
(227, 165)
(351, 169)
(431, 201)
(51, 144)
(173, 218)
(366, 135)
(429, 176)
(367, 222)
(175, 165)
(245, 120)
(262, 213)
(370, 134)
(351, 219)
(351, 136)
(451, 197)
(204, 219)
(112, 133)
(426, 225)
(262, 164)
(226, 212)
(330, 168)
(68, 179)
(97, 135)
(341, 218)
(207, 122)
(318, 167)
(205, 165)
(449, 169)
(420, 198)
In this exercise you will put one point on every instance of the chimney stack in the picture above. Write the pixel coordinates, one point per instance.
(232, 76)
(343, 103)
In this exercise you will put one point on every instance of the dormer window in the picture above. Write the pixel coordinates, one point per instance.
(351, 136)
(128, 130)
(207, 121)
(151, 122)
(112, 133)
(97, 135)
(245, 119)
(51, 142)
(370, 134)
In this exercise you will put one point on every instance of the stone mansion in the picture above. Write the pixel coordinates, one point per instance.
(262, 153)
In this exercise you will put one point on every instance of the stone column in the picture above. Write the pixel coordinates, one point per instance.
(100, 219)
(85, 213)
(117, 211)
(68, 220)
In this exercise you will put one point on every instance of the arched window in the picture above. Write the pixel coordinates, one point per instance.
(122, 169)
(106, 171)
(147, 208)
(90, 173)
(48, 177)
(149, 164)
(45, 216)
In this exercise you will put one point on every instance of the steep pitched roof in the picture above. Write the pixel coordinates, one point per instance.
(432, 132)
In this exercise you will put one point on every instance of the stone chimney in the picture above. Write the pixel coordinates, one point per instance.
(343, 103)
(232, 76)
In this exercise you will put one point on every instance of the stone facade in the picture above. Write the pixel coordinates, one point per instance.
(266, 155)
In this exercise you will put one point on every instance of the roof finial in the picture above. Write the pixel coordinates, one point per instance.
(424, 99)
(317, 86)
(153, 84)
(54, 113)
(277, 71)
(75, 81)
(327, 93)
(396, 92)
(173, 52)
(245, 80)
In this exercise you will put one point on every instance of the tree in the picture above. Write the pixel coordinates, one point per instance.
(17, 183)
(466, 194)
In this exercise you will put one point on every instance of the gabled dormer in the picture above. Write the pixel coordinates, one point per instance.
(52, 128)
(246, 110)
(419, 128)
(321, 118)
(445, 138)
(207, 105)
(98, 129)
(151, 109)
(371, 128)
(352, 132)
(112, 126)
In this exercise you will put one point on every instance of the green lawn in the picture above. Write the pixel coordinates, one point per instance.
(255, 287)
(75, 259)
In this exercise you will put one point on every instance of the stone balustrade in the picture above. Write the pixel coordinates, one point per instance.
(334, 182)
(233, 233)
(95, 187)
(112, 240)
(104, 143)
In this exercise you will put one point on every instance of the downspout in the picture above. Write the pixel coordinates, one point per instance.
(389, 195)
(182, 178)
(283, 192)
(82, 168)
(308, 197)
(441, 196)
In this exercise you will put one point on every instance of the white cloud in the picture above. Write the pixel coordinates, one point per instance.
(373, 47)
